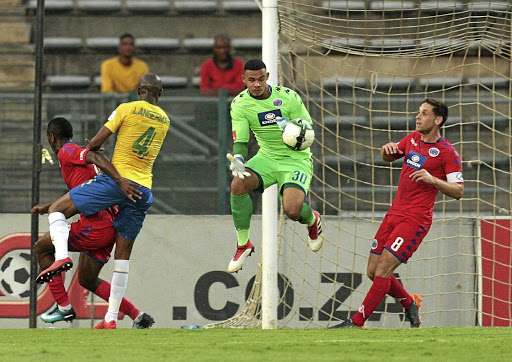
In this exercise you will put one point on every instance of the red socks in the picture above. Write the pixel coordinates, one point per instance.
(58, 291)
(397, 291)
(126, 307)
(377, 292)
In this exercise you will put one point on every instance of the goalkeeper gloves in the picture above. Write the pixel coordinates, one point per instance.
(237, 166)
(282, 122)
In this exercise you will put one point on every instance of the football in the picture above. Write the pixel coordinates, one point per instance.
(298, 134)
(15, 274)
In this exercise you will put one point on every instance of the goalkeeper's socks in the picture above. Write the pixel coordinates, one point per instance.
(241, 209)
(306, 215)
(377, 292)
(59, 233)
(58, 291)
(103, 291)
(397, 291)
(243, 236)
(117, 288)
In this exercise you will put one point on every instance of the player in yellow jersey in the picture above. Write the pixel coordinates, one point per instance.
(141, 127)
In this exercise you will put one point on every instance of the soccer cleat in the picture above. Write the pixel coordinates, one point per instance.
(242, 252)
(349, 323)
(412, 313)
(145, 322)
(57, 315)
(105, 325)
(315, 235)
(58, 266)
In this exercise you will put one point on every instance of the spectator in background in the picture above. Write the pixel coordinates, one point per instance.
(122, 73)
(222, 70)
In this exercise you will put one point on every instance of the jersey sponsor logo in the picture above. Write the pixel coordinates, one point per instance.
(269, 118)
(112, 115)
(415, 160)
(434, 152)
(82, 155)
(374, 244)
(277, 102)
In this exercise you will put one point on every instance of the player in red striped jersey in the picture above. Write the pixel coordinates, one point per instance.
(93, 236)
(431, 164)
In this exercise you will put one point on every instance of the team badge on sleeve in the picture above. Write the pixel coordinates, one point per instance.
(112, 115)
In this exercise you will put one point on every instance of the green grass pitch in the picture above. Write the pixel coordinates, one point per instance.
(222, 344)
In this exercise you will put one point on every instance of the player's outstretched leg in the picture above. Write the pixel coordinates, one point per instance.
(242, 252)
(56, 315)
(412, 313)
(58, 266)
(146, 321)
(315, 234)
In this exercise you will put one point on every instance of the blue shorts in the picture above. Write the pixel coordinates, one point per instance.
(102, 192)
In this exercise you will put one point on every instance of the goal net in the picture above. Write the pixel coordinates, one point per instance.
(363, 68)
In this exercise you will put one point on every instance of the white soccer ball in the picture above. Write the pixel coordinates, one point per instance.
(298, 134)
(15, 274)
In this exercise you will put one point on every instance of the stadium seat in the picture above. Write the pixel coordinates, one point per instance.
(342, 43)
(439, 7)
(157, 43)
(53, 5)
(392, 5)
(392, 43)
(442, 44)
(158, 6)
(487, 6)
(490, 82)
(195, 6)
(345, 121)
(385, 82)
(174, 82)
(68, 81)
(491, 120)
(344, 82)
(240, 6)
(101, 6)
(391, 122)
(431, 83)
(62, 43)
(198, 43)
(247, 43)
(102, 42)
(344, 5)
(196, 81)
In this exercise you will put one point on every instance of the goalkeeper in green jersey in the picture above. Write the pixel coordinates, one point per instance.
(265, 110)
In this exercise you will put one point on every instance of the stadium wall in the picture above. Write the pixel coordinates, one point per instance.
(178, 272)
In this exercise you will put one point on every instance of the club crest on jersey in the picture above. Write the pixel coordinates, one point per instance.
(269, 118)
(277, 102)
(434, 152)
(415, 160)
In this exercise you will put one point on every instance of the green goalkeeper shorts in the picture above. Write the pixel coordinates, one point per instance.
(285, 172)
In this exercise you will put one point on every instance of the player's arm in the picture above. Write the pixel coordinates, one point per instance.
(452, 189)
(390, 152)
(95, 143)
(108, 168)
(41, 209)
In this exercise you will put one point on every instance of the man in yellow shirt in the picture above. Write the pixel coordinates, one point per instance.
(122, 73)
(141, 128)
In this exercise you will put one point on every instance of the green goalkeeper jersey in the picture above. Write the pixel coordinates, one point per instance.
(259, 115)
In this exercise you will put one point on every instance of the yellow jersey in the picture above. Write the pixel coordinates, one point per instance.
(142, 129)
(116, 77)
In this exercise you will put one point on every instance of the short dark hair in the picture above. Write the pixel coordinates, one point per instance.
(60, 127)
(126, 35)
(223, 37)
(440, 108)
(254, 64)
